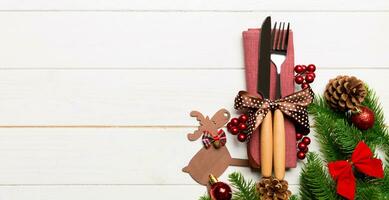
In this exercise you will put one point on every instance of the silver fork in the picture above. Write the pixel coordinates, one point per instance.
(279, 43)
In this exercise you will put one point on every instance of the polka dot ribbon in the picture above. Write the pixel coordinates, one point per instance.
(294, 106)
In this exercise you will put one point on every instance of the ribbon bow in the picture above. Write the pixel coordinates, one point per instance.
(342, 172)
(217, 141)
(294, 106)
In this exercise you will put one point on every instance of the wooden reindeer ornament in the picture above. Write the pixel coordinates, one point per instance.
(214, 157)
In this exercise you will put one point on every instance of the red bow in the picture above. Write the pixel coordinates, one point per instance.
(362, 159)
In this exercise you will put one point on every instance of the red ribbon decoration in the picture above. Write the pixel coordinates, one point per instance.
(342, 172)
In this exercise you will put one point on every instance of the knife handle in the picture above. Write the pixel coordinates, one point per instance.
(267, 145)
(279, 145)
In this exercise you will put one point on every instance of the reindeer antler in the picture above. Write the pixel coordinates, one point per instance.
(197, 134)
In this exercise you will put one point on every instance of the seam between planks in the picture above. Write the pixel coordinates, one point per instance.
(196, 11)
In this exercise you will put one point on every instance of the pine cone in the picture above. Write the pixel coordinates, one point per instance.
(345, 93)
(273, 189)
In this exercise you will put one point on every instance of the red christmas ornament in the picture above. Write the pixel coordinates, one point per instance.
(309, 78)
(311, 68)
(298, 69)
(299, 136)
(299, 79)
(304, 85)
(306, 140)
(300, 155)
(312, 73)
(304, 67)
(302, 146)
(234, 130)
(305, 150)
(229, 126)
(243, 118)
(242, 126)
(235, 121)
(219, 190)
(242, 137)
(363, 118)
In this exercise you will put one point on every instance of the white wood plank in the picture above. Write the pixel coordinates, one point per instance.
(105, 192)
(134, 97)
(182, 39)
(137, 156)
(202, 5)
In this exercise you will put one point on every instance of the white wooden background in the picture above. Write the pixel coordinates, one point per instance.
(135, 69)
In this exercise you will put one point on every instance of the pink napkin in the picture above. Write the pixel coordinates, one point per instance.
(250, 45)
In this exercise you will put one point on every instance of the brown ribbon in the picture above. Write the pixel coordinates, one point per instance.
(294, 106)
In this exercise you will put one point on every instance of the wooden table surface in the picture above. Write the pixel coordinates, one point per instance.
(95, 95)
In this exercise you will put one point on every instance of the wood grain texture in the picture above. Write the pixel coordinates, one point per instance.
(183, 40)
(133, 97)
(196, 5)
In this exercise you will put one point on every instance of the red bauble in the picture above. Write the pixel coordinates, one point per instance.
(302, 146)
(242, 137)
(243, 118)
(229, 126)
(242, 126)
(235, 121)
(299, 79)
(304, 85)
(306, 140)
(234, 130)
(363, 119)
(304, 68)
(219, 190)
(306, 150)
(309, 78)
(300, 155)
(299, 136)
(298, 69)
(311, 68)
(312, 74)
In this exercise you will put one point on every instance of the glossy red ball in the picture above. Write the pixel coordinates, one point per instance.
(242, 137)
(243, 118)
(221, 191)
(298, 69)
(299, 136)
(312, 74)
(306, 150)
(300, 155)
(364, 119)
(302, 146)
(229, 126)
(306, 140)
(299, 79)
(234, 130)
(311, 68)
(242, 126)
(235, 121)
(304, 85)
(309, 78)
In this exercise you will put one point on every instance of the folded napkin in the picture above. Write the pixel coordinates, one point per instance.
(251, 46)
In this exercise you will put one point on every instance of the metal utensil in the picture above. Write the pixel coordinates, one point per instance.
(264, 90)
(279, 50)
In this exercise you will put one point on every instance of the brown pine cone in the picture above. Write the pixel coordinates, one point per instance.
(273, 189)
(345, 93)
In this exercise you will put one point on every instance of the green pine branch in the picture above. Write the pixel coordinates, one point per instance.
(243, 190)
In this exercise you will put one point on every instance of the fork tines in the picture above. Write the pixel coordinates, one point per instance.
(279, 38)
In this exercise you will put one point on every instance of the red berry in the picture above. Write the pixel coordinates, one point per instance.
(298, 69)
(299, 136)
(300, 155)
(235, 121)
(243, 118)
(229, 126)
(306, 140)
(312, 73)
(242, 137)
(302, 146)
(234, 130)
(309, 78)
(304, 85)
(306, 150)
(304, 68)
(299, 79)
(242, 126)
(311, 68)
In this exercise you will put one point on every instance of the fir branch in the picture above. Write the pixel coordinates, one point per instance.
(315, 183)
(205, 197)
(244, 190)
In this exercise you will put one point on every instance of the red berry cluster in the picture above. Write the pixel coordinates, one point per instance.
(238, 126)
(302, 144)
(305, 75)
